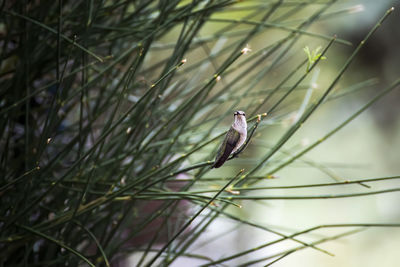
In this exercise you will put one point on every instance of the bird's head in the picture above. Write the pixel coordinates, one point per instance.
(239, 113)
(240, 117)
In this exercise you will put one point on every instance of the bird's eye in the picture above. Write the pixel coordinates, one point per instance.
(244, 114)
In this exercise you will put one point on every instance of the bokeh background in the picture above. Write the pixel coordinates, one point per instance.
(368, 147)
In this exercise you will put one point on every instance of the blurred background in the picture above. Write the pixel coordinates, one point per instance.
(366, 148)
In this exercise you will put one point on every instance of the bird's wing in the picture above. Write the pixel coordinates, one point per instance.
(230, 141)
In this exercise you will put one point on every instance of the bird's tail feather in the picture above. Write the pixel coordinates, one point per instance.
(221, 160)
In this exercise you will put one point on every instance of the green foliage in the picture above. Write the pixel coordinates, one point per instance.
(313, 56)
(111, 112)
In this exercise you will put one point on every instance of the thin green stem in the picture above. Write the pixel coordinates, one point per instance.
(187, 224)
(57, 242)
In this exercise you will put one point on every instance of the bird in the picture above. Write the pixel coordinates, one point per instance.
(234, 139)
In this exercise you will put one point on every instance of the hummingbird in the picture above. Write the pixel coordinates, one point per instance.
(234, 139)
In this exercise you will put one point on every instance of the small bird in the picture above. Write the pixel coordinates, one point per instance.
(234, 139)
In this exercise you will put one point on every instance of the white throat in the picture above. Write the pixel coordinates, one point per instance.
(240, 125)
